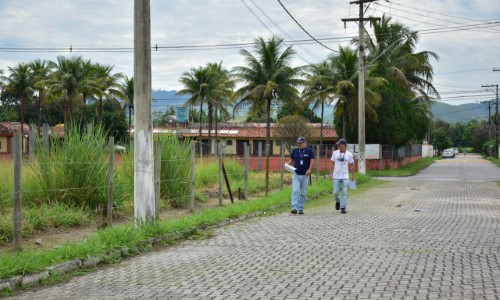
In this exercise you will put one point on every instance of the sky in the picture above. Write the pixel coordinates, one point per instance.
(462, 32)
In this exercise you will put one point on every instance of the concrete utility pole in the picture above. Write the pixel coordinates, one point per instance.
(144, 186)
(489, 115)
(496, 117)
(361, 81)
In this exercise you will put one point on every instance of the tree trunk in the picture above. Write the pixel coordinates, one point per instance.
(268, 139)
(344, 120)
(67, 117)
(85, 112)
(216, 135)
(210, 108)
(321, 128)
(39, 112)
(21, 120)
(201, 115)
(99, 111)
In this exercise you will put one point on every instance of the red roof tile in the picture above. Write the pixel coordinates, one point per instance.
(9, 128)
(240, 130)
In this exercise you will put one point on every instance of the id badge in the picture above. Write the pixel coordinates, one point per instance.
(301, 162)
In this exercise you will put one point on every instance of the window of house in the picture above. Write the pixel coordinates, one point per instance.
(229, 142)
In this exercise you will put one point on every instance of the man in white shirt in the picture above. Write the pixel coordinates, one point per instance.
(342, 163)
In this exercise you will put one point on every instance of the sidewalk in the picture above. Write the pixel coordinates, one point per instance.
(406, 239)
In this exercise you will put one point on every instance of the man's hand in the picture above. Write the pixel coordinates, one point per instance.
(308, 172)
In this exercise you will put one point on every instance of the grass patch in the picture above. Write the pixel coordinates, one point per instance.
(43, 217)
(496, 161)
(408, 170)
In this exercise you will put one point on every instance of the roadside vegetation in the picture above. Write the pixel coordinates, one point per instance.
(408, 170)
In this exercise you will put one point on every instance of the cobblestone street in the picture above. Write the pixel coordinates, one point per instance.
(406, 239)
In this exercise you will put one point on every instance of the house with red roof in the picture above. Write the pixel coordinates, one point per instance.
(7, 130)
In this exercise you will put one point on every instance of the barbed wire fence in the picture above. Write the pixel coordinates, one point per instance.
(187, 197)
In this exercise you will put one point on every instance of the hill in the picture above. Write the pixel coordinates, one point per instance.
(163, 99)
(460, 113)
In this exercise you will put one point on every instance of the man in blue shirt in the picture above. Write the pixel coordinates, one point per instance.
(302, 158)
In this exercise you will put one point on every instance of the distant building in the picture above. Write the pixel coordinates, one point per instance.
(234, 135)
(7, 130)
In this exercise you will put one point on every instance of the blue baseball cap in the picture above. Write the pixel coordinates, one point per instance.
(301, 140)
(342, 142)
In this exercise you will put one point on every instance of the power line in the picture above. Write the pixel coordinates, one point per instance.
(426, 16)
(305, 29)
(284, 32)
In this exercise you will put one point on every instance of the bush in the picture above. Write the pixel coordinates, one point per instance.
(75, 171)
(175, 171)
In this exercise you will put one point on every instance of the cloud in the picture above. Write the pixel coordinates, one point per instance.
(109, 23)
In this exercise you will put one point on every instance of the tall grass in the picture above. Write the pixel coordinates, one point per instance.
(207, 171)
(175, 170)
(75, 171)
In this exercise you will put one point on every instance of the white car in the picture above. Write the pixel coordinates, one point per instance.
(448, 153)
(455, 150)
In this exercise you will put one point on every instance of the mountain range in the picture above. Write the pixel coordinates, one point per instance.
(163, 99)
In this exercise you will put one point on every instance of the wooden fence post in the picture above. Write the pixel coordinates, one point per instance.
(157, 178)
(31, 142)
(109, 212)
(326, 160)
(17, 197)
(318, 157)
(246, 154)
(220, 173)
(282, 162)
(46, 137)
(259, 162)
(191, 181)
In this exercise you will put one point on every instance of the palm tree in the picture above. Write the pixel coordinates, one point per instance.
(20, 84)
(108, 84)
(319, 88)
(196, 84)
(392, 55)
(66, 83)
(88, 87)
(344, 71)
(267, 75)
(127, 89)
(41, 70)
(221, 88)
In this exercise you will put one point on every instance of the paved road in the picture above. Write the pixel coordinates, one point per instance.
(407, 239)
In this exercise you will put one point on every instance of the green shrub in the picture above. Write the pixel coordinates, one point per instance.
(75, 171)
(175, 170)
(207, 171)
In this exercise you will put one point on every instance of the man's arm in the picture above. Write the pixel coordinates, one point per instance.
(352, 169)
(311, 164)
(332, 167)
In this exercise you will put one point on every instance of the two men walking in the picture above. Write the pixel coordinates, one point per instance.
(341, 165)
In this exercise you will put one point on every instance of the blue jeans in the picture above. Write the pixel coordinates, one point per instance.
(299, 191)
(336, 189)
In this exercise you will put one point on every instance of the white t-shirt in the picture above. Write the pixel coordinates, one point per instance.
(341, 161)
